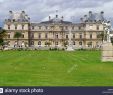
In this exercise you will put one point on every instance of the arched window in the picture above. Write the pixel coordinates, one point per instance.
(80, 43)
(15, 27)
(90, 36)
(39, 43)
(39, 35)
(73, 35)
(9, 27)
(22, 27)
(56, 43)
(67, 36)
(32, 43)
(56, 36)
(46, 35)
(22, 35)
(74, 43)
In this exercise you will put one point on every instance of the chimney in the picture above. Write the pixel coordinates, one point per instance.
(62, 18)
(81, 19)
(90, 13)
(102, 12)
(85, 17)
(102, 15)
(49, 18)
(10, 12)
(56, 16)
(56, 13)
(23, 12)
(10, 15)
(28, 18)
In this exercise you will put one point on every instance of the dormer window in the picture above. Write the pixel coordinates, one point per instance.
(46, 27)
(33, 27)
(66, 27)
(9, 20)
(13, 20)
(22, 26)
(79, 27)
(39, 27)
(73, 35)
(16, 27)
(8, 36)
(73, 27)
(90, 36)
(97, 27)
(9, 27)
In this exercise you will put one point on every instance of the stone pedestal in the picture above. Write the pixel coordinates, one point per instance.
(107, 52)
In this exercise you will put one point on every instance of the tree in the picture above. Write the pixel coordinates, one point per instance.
(2, 36)
(18, 35)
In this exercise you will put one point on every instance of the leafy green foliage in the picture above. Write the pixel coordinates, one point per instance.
(2, 36)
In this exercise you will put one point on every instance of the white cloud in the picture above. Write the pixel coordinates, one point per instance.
(39, 10)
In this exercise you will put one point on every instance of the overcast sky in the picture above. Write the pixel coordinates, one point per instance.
(39, 10)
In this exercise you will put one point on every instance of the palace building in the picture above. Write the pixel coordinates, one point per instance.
(55, 31)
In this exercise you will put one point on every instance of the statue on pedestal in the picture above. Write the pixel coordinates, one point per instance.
(107, 28)
(70, 45)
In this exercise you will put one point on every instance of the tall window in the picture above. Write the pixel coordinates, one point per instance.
(56, 43)
(39, 43)
(46, 27)
(8, 35)
(61, 27)
(91, 27)
(73, 35)
(39, 35)
(56, 36)
(15, 27)
(40, 27)
(99, 34)
(32, 27)
(79, 27)
(9, 43)
(66, 27)
(97, 27)
(80, 43)
(74, 43)
(32, 35)
(22, 27)
(46, 35)
(73, 27)
(32, 43)
(90, 36)
(80, 35)
(9, 27)
(22, 35)
(66, 36)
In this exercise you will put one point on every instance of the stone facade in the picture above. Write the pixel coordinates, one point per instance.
(55, 31)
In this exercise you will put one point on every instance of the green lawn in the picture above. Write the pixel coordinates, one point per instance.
(54, 68)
